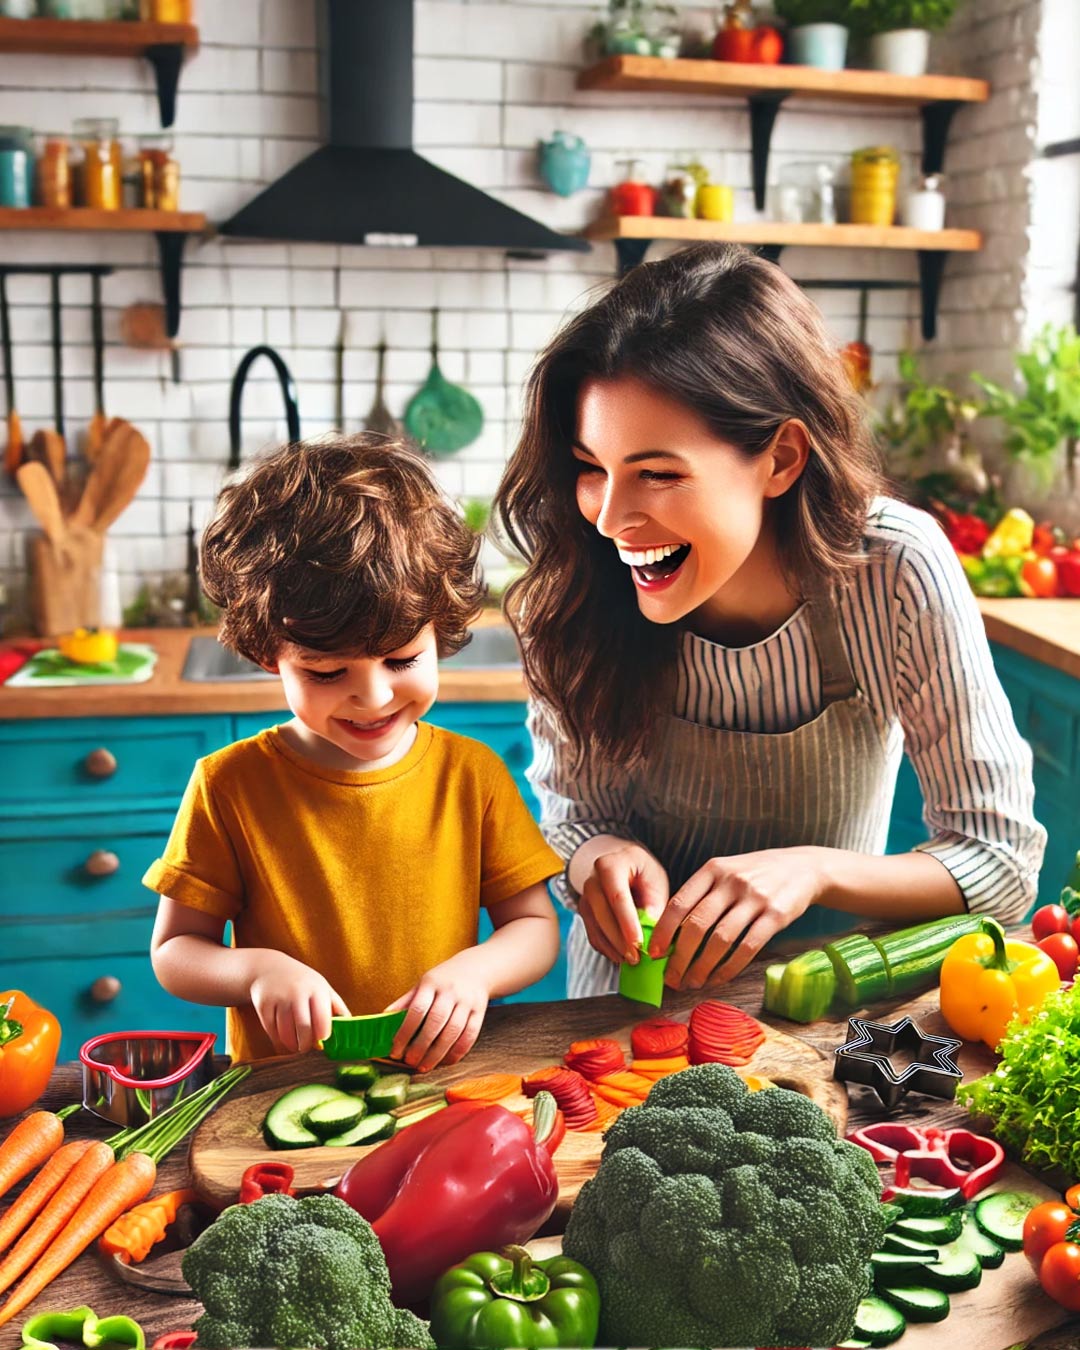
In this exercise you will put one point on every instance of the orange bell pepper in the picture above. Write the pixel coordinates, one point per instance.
(29, 1043)
(986, 981)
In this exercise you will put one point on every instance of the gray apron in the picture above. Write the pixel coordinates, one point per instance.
(709, 793)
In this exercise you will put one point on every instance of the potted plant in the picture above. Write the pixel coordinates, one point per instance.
(817, 31)
(899, 31)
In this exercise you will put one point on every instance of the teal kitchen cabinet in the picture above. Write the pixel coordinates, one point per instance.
(1046, 705)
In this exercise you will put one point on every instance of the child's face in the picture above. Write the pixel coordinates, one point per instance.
(358, 712)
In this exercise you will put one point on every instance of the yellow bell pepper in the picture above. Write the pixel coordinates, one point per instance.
(89, 646)
(986, 981)
(1010, 536)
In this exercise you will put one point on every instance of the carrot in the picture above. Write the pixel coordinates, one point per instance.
(616, 1096)
(96, 1160)
(659, 1068)
(29, 1144)
(625, 1081)
(113, 1193)
(490, 1087)
(40, 1190)
(606, 1113)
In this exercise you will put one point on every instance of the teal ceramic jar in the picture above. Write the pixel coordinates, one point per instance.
(564, 163)
(823, 45)
(16, 167)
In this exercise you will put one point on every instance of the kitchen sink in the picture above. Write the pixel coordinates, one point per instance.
(493, 648)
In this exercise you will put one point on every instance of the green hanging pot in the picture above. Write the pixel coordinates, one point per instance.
(442, 417)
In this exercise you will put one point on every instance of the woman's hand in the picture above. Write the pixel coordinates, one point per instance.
(750, 896)
(293, 1002)
(622, 879)
(446, 1012)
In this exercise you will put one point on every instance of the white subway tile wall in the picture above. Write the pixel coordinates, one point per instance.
(491, 78)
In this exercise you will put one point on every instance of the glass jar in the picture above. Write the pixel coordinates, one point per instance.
(101, 170)
(158, 174)
(16, 166)
(630, 196)
(54, 173)
(924, 206)
(170, 11)
(874, 171)
(18, 9)
(57, 9)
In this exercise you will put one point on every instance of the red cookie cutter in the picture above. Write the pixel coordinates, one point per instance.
(942, 1157)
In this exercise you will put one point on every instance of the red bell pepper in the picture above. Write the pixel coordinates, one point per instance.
(1068, 570)
(265, 1178)
(473, 1177)
(967, 533)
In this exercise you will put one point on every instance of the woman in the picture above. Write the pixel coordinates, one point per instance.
(730, 639)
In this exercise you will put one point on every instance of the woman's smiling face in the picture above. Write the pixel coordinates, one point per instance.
(684, 509)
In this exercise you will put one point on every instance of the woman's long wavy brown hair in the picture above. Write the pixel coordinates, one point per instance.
(730, 336)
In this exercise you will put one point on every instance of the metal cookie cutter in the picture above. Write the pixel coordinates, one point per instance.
(866, 1058)
(945, 1158)
(130, 1077)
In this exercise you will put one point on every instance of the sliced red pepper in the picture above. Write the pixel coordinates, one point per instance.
(175, 1340)
(265, 1178)
(659, 1038)
(594, 1059)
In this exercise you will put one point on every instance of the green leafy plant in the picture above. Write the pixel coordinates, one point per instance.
(1043, 420)
(476, 512)
(798, 12)
(885, 16)
(929, 422)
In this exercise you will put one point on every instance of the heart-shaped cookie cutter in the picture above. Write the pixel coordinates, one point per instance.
(945, 1158)
(130, 1077)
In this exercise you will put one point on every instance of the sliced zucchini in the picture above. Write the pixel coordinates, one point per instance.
(938, 1229)
(334, 1116)
(1001, 1217)
(878, 1322)
(862, 976)
(418, 1091)
(356, 1077)
(957, 1267)
(421, 1113)
(854, 1344)
(913, 956)
(986, 1249)
(388, 1092)
(893, 1242)
(920, 1202)
(919, 1302)
(367, 1131)
(283, 1126)
(886, 1262)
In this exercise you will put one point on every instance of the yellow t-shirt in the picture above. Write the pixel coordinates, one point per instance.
(370, 878)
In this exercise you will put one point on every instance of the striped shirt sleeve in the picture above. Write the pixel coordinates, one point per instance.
(972, 764)
(574, 806)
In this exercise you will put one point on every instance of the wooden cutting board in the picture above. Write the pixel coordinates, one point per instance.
(230, 1140)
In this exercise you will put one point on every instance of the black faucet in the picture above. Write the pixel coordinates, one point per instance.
(288, 393)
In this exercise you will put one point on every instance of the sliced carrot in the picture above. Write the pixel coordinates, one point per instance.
(490, 1087)
(625, 1081)
(40, 1190)
(659, 1068)
(606, 1114)
(617, 1096)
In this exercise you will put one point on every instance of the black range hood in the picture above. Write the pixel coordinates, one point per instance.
(367, 185)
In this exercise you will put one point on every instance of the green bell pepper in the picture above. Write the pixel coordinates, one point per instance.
(81, 1324)
(492, 1300)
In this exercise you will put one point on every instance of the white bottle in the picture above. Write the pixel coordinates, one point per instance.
(924, 206)
(111, 612)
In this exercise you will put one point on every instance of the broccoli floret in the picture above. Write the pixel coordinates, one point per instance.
(305, 1272)
(721, 1217)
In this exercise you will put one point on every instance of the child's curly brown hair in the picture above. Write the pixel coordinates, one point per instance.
(342, 545)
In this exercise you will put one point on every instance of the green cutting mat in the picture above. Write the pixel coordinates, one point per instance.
(134, 664)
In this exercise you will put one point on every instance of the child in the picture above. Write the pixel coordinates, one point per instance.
(352, 846)
(730, 638)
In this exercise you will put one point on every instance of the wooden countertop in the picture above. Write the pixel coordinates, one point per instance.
(1045, 630)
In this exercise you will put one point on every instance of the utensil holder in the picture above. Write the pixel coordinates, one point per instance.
(65, 582)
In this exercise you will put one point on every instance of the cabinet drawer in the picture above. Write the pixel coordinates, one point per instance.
(48, 875)
(47, 764)
(250, 724)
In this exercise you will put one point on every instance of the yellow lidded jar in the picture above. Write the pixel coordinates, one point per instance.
(874, 173)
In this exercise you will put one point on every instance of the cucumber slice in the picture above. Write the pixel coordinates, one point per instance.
(854, 1345)
(403, 1122)
(805, 989)
(388, 1092)
(367, 1131)
(892, 1242)
(416, 1092)
(334, 1116)
(862, 976)
(283, 1126)
(356, 1077)
(990, 1255)
(938, 1229)
(919, 1302)
(913, 956)
(919, 1202)
(887, 1262)
(878, 1322)
(1001, 1217)
(957, 1267)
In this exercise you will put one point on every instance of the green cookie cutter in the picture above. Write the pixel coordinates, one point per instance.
(644, 983)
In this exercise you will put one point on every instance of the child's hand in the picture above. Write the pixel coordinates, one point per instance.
(294, 1003)
(446, 1012)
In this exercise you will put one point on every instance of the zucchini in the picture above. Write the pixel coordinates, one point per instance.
(887, 1263)
(920, 1202)
(878, 1322)
(892, 1242)
(861, 974)
(369, 1130)
(854, 1344)
(283, 1126)
(388, 1092)
(416, 1092)
(805, 990)
(356, 1077)
(403, 1122)
(919, 1302)
(986, 1249)
(1001, 1217)
(913, 956)
(334, 1116)
(957, 1267)
(938, 1229)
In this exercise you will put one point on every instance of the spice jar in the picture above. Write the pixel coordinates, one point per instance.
(18, 9)
(630, 196)
(170, 11)
(16, 166)
(101, 169)
(874, 171)
(54, 173)
(924, 206)
(159, 174)
(679, 190)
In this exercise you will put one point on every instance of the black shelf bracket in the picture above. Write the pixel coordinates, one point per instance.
(936, 120)
(763, 110)
(771, 252)
(931, 270)
(629, 253)
(166, 58)
(171, 250)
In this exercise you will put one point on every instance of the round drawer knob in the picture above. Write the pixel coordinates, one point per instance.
(102, 863)
(100, 763)
(104, 989)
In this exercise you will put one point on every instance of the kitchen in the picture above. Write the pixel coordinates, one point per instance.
(96, 771)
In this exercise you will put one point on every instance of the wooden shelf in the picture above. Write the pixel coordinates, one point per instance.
(77, 37)
(88, 218)
(734, 79)
(779, 234)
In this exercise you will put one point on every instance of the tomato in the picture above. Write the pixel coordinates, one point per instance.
(1069, 573)
(1049, 919)
(1059, 1274)
(1062, 949)
(1039, 578)
(768, 44)
(1045, 1226)
(1074, 929)
(1044, 539)
(734, 44)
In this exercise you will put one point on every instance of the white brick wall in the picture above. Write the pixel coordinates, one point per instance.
(491, 77)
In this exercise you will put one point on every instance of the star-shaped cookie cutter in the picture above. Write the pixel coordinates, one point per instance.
(866, 1058)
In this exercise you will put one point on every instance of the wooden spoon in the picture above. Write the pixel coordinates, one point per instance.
(39, 489)
(135, 461)
(106, 469)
